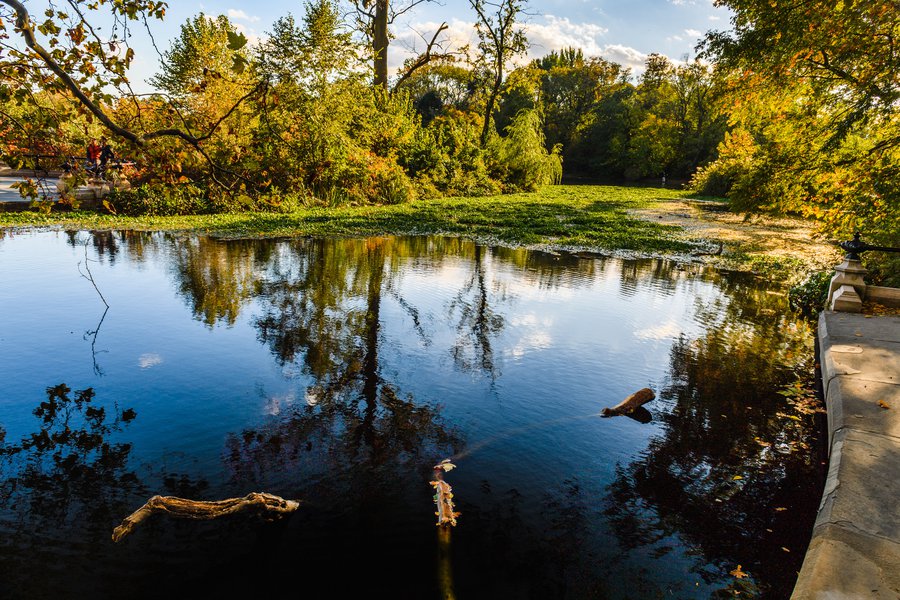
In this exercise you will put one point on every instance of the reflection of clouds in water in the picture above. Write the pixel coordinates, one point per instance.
(291, 371)
(535, 334)
(665, 331)
(275, 404)
(313, 395)
(147, 361)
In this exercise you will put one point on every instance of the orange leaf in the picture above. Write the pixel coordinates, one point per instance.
(738, 573)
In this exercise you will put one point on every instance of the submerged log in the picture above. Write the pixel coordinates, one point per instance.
(629, 404)
(205, 510)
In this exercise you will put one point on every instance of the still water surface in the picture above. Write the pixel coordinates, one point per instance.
(337, 372)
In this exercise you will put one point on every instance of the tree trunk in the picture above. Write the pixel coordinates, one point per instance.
(380, 43)
(489, 109)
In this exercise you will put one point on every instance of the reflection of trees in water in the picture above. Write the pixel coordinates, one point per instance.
(478, 322)
(728, 457)
(216, 277)
(504, 553)
(69, 469)
(105, 243)
(321, 304)
(67, 476)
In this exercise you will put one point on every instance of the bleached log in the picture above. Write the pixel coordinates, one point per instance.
(183, 508)
(629, 404)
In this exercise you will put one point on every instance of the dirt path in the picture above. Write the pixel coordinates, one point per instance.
(765, 242)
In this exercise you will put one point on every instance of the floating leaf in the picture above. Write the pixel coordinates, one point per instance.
(736, 478)
(738, 573)
(884, 405)
(445, 465)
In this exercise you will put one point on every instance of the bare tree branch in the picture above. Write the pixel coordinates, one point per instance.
(422, 60)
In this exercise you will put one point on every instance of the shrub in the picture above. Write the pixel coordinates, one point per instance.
(161, 200)
(809, 297)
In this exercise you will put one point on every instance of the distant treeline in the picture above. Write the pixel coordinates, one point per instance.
(794, 108)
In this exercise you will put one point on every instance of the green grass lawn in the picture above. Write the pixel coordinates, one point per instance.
(582, 216)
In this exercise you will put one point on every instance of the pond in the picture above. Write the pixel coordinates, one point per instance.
(338, 372)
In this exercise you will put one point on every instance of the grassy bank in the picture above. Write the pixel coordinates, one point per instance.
(609, 219)
(561, 216)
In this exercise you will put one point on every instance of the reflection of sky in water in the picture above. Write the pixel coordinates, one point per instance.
(147, 361)
(562, 341)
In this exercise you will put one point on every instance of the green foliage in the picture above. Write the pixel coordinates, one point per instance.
(160, 201)
(446, 157)
(735, 167)
(523, 162)
(564, 216)
(446, 82)
(808, 297)
(668, 124)
(202, 55)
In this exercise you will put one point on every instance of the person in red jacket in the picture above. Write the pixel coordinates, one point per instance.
(93, 155)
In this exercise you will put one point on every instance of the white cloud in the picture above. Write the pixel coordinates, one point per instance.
(553, 33)
(625, 56)
(408, 43)
(693, 32)
(557, 33)
(535, 334)
(240, 15)
(715, 18)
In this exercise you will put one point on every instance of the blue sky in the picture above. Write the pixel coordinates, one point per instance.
(624, 31)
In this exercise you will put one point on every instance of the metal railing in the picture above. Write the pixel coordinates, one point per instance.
(856, 246)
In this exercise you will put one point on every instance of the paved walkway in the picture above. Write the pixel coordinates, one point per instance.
(855, 548)
(10, 194)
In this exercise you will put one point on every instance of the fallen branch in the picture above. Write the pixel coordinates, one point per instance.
(204, 510)
(443, 496)
(629, 404)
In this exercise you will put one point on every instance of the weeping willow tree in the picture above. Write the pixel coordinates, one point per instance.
(523, 160)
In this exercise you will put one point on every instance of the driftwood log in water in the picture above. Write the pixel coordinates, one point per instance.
(629, 404)
(443, 495)
(205, 510)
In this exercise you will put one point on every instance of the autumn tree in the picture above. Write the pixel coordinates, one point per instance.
(66, 53)
(833, 149)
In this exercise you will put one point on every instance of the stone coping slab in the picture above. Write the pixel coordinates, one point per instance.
(855, 548)
(854, 405)
(843, 565)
